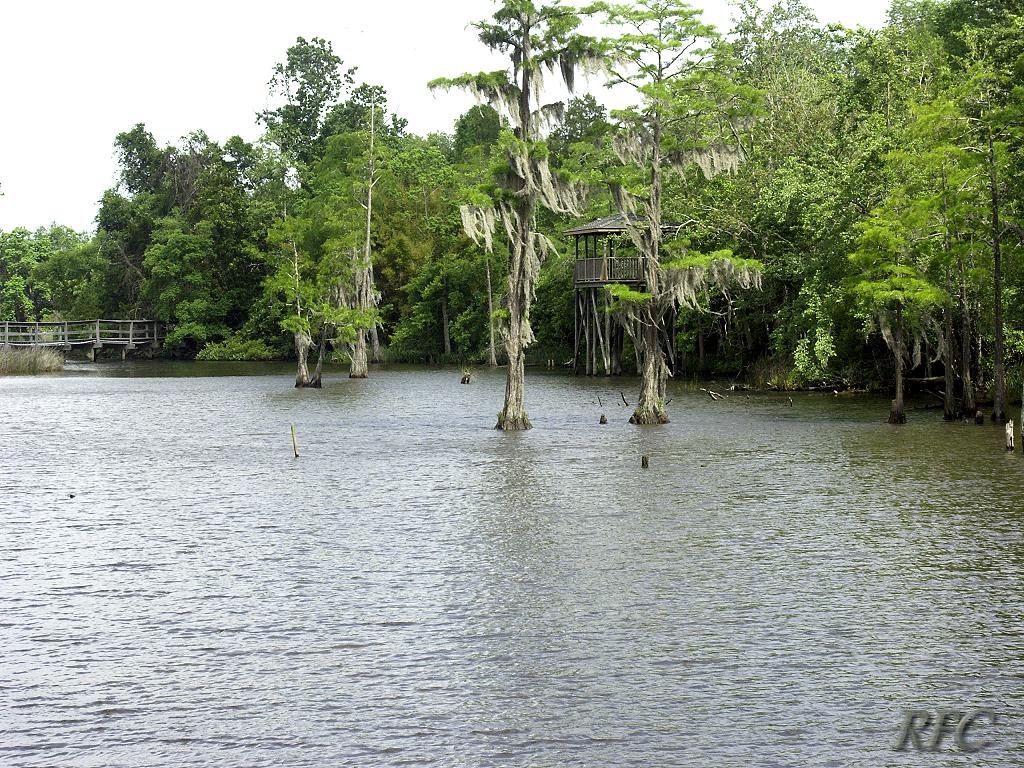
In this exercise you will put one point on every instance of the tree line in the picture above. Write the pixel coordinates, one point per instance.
(811, 204)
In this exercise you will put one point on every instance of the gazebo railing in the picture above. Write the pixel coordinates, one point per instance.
(608, 269)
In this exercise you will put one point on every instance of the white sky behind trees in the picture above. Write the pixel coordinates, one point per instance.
(75, 73)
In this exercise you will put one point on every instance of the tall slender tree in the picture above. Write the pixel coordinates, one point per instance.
(540, 40)
(688, 115)
(365, 296)
(895, 294)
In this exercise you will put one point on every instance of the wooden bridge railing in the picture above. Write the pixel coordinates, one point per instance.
(95, 333)
(617, 269)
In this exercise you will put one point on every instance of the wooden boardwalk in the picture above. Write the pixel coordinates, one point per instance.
(89, 334)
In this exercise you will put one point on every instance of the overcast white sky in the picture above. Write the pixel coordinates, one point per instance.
(74, 73)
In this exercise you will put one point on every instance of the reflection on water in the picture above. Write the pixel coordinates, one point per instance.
(418, 589)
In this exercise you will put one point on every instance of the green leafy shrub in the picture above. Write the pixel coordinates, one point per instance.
(239, 349)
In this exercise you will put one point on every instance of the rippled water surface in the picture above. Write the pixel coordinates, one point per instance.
(777, 589)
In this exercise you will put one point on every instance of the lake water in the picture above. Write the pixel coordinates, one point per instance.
(777, 589)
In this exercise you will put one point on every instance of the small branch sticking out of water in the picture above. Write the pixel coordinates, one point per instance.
(295, 442)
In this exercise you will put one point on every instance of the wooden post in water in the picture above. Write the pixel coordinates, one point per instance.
(295, 443)
(1009, 435)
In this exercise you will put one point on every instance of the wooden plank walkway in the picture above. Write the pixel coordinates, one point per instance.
(92, 334)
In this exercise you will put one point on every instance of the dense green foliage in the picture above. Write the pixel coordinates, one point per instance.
(879, 191)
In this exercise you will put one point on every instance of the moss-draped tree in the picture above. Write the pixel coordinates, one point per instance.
(540, 40)
(688, 115)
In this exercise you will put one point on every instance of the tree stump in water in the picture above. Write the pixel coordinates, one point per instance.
(603, 419)
(519, 423)
(645, 461)
(979, 418)
(1009, 435)
(896, 414)
(648, 417)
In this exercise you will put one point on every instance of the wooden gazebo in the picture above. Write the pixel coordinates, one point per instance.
(598, 264)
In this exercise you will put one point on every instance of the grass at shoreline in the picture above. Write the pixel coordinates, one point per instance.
(29, 360)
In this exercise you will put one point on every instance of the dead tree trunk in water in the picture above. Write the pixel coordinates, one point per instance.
(358, 368)
(375, 328)
(302, 345)
(365, 298)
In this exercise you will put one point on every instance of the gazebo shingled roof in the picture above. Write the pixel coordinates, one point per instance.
(606, 225)
(610, 225)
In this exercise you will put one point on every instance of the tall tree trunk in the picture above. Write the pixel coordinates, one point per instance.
(968, 406)
(650, 407)
(520, 280)
(513, 414)
(949, 412)
(316, 381)
(358, 368)
(492, 359)
(302, 345)
(949, 409)
(446, 335)
(896, 412)
(375, 343)
(365, 289)
(999, 404)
